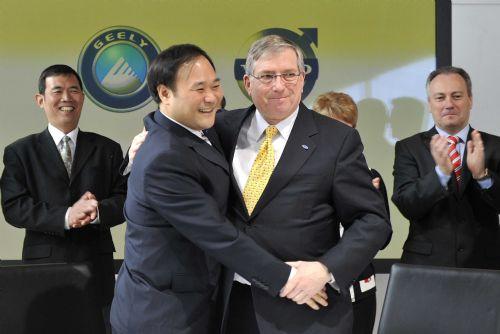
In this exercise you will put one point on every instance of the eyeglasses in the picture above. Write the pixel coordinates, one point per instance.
(288, 77)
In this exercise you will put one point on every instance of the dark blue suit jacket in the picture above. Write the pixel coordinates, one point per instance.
(176, 231)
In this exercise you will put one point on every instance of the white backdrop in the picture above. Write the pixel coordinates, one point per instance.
(476, 48)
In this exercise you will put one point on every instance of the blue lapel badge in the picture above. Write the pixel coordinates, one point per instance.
(305, 147)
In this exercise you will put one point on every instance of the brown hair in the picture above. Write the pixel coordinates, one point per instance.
(339, 106)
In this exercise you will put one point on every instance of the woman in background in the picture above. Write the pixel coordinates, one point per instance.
(341, 107)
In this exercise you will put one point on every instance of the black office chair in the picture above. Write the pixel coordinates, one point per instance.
(49, 298)
(425, 300)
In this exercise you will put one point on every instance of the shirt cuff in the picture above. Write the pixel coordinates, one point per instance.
(443, 178)
(333, 283)
(66, 219)
(96, 220)
(486, 183)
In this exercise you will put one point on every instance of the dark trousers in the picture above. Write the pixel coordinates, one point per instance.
(364, 311)
(241, 315)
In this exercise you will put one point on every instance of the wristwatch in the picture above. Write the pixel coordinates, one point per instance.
(485, 175)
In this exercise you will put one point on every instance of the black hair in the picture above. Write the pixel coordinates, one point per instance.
(163, 69)
(56, 70)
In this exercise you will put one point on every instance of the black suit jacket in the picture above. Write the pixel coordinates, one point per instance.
(36, 193)
(452, 226)
(176, 229)
(320, 179)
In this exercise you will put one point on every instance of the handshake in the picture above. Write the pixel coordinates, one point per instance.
(307, 285)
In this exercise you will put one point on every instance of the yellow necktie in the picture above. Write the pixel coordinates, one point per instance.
(261, 171)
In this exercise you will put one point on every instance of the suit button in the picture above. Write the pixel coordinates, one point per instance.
(461, 250)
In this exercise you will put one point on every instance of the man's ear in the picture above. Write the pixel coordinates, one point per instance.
(164, 93)
(39, 99)
(246, 82)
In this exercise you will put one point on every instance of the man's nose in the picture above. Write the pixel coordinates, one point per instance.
(278, 83)
(66, 96)
(448, 102)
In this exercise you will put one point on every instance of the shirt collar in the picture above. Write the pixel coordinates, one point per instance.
(259, 125)
(57, 134)
(197, 133)
(462, 134)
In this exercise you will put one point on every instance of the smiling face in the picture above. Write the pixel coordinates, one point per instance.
(449, 102)
(62, 101)
(197, 95)
(278, 99)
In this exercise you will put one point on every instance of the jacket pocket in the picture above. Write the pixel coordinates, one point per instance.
(36, 252)
(419, 247)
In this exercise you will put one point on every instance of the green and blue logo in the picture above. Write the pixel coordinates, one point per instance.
(113, 65)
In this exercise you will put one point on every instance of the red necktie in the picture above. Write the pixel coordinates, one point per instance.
(455, 157)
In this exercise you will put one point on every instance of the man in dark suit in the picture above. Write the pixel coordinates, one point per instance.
(62, 185)
(320, 178)
(176, 229)
(446, 182)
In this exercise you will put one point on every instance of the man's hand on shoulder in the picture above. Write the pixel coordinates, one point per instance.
(136, 144)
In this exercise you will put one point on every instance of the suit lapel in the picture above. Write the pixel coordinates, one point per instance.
(85, 147)
(197, 144)
(298, 149)
(50, 154)
(214, 139)
(426, 138)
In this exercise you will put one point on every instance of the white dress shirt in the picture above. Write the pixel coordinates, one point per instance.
(57, 135)
(250, 139)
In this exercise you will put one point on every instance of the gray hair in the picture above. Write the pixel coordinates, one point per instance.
(268, 45)
(450, 70)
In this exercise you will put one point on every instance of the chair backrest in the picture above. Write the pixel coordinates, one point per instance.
(49, 298)
(425, 300)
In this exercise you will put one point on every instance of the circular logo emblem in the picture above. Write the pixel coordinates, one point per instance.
(114, 64)
(309, 36)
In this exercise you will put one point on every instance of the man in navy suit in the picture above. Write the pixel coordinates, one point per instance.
(175, 206)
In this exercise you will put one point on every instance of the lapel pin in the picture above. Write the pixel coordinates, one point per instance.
(305, 147)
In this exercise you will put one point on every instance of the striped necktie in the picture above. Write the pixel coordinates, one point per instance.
(261, 171)
(455, 157)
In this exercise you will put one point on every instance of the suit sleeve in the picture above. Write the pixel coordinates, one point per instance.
(181, 200)
(492, 156)
(383, 192)
(414, 194)
(361, 210)
(111, 207)
(20, 209)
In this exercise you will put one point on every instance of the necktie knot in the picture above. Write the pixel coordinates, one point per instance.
(271, 131)
(453, 140)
